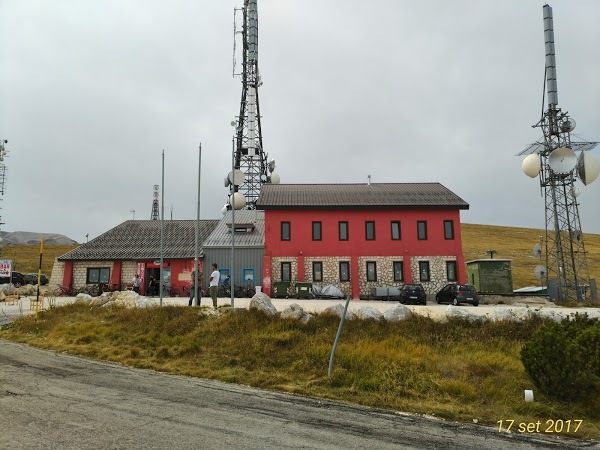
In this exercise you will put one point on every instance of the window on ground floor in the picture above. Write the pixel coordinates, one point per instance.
(371, 271)
(317, 271)
(398, 271)
(451, 270)
(344, 271)
(286, 271)
(97, 275)
(424, 271)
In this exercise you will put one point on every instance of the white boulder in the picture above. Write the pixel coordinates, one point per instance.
(83, 297)
(456, 312)
(338, 311)
(262, 302)
(369, 313)
(397, 313)
(296, 312)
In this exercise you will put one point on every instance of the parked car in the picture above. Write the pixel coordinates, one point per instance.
(16, 278)
(458, 293)
(32, 278)
(413, 293)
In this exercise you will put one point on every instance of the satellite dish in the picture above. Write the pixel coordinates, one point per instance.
(233, 123)
(236, 177)
(567, 125)
(588, 167)
(537, 250)
(576, 191)
(227, 181)
(562, 160)
(275, 178)
(224, 209)
(540, 272)
(531, 165)
(237, 200)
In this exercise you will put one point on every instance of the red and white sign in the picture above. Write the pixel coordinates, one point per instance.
(5, 267)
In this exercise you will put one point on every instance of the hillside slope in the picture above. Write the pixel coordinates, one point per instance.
(517, 244)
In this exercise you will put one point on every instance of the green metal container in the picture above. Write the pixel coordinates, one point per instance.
(280, 289)
(303, 290)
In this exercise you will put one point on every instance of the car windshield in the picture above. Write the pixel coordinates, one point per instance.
(467, 287)
(413, 287)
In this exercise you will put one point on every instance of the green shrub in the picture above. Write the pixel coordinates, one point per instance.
(563, 359)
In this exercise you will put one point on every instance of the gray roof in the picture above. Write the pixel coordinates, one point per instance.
(221, 235)
(140, 239)
(359, 196)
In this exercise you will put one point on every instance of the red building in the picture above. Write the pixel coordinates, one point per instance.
(361, 236)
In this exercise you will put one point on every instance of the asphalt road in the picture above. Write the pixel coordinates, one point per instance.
(58, 401)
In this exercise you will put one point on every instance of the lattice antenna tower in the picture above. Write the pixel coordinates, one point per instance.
(249, 155)
(553, 158)
(155, 214)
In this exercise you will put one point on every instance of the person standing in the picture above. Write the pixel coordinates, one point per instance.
(214, 284)
(151, 286)
(136, 282)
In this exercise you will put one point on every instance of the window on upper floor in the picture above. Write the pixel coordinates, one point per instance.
(398, 271)
(317, 267)
(286, 231)
(396, 232)
(448, 229)
(422, 230)
(451, 270)
(316, 231)
(344, 270)
(370, 231)
(343, 231)
(371, 271)
(424, 274)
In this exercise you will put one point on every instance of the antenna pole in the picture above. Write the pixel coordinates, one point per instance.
(567, 272)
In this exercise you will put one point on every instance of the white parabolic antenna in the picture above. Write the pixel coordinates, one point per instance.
(531, 165)
(236, 177)
(275, 178)
(238, 201)
(562, 160)
(537, 250)
(540, 272)
(588, 167)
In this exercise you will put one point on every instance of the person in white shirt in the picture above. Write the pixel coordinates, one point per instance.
(136, 283)
(214, 284)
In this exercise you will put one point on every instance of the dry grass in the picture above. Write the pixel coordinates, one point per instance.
(517, 244)
(456, 370)
(26, 258)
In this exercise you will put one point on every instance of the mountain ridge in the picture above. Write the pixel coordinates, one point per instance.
(33, 238)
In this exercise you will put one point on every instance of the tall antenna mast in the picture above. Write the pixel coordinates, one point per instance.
(554, 159)
(249, 155)
(155, 214)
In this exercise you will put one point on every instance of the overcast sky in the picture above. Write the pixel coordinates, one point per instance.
(91, 91)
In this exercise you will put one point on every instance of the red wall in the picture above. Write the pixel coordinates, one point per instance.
(301, 243)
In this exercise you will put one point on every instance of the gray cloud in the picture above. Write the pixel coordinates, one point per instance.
(91, 92)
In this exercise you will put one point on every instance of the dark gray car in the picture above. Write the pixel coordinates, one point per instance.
(458, 293)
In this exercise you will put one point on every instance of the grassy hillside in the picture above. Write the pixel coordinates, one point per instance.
(509, 242)
(517, 244)
(26, 258)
